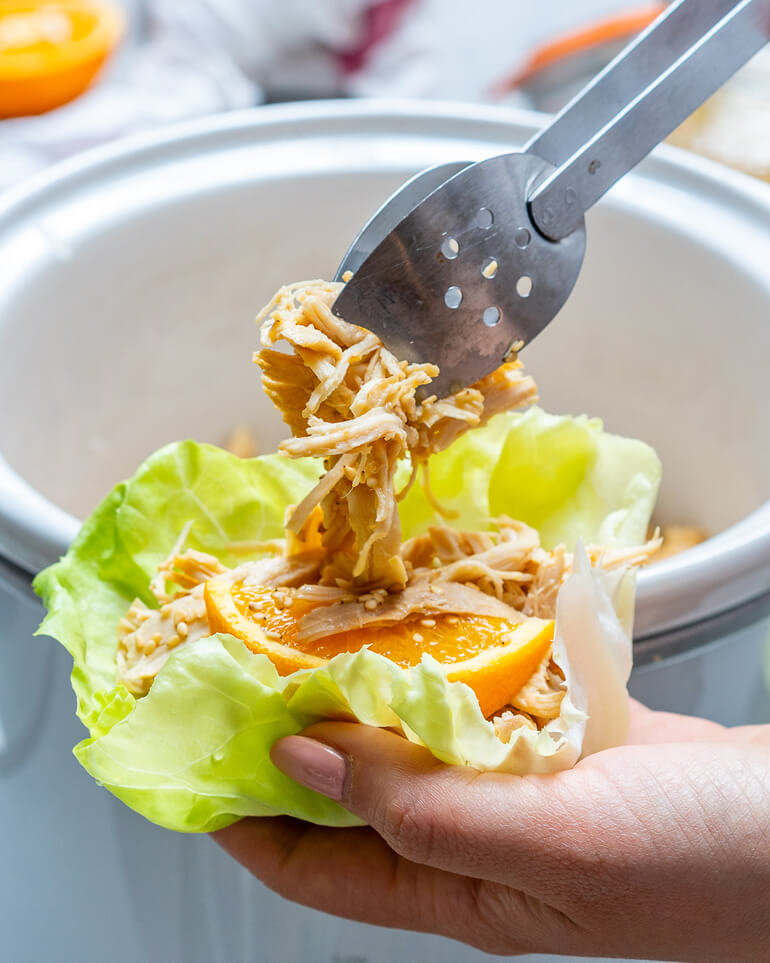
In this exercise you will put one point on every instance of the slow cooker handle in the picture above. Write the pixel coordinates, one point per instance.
(18, 582)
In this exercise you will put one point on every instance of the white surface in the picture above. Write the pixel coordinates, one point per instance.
(480, 42)
(200, 57)
(206, 56)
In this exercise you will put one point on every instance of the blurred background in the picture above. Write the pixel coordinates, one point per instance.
(76, 73)
(85, 878)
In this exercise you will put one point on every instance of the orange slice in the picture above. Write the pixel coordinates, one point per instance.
(51, 51)
(493, 656)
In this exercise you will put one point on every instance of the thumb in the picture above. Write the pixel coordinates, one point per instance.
(493, 826)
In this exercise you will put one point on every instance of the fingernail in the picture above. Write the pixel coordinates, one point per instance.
(312, 764)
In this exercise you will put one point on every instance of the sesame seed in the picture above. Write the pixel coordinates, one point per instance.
(489, 270)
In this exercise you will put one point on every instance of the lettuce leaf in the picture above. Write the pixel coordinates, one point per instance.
(193, 755)
(224, 500)
(564, 476)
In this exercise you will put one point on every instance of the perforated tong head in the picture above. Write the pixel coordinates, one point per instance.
(470, 261)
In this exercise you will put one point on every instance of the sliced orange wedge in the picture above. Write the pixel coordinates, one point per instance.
(51, 51)
(493, 656)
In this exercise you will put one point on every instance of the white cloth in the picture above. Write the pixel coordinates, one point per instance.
(195, 57)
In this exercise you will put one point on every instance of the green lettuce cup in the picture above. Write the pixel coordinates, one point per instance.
(193, 754)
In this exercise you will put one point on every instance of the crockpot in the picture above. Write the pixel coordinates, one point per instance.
(128, 283)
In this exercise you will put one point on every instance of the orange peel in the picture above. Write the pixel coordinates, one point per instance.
(493, 656)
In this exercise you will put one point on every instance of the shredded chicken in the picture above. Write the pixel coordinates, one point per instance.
(535, 704)
(509, 563)
(541, 695)
(419, 598)
(677, 539)
(147, 636)
(185, 571)
(348, 400)
(509, 721)
(241, 442)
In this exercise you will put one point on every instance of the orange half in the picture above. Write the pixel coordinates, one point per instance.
(493, 656)
(50, 52)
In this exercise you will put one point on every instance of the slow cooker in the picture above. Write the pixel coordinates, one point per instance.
(129, 278)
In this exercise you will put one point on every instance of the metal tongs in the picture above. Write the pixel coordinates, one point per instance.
(467, 262)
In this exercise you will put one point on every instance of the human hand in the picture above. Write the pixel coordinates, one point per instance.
(658, 849)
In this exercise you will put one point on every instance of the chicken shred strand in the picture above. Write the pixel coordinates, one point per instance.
(345, 396)
(351, 402)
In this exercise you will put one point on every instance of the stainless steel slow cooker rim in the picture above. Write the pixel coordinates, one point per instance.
(49, 530)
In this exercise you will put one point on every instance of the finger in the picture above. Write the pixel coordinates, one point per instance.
(497, 827)
(649, 726)
(353, 873)
(323, 868)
